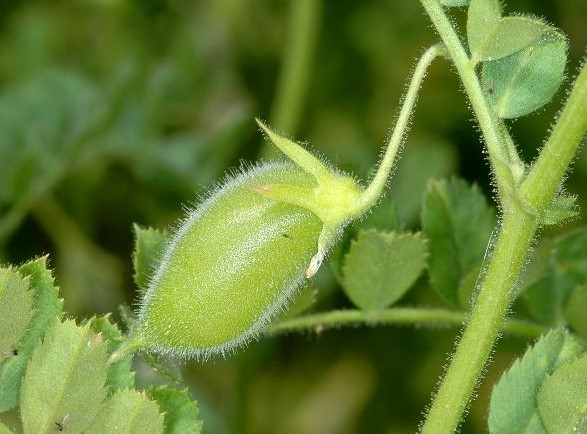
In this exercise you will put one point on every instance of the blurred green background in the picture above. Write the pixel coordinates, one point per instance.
(122, 111)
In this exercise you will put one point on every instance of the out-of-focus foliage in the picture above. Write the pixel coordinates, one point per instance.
(120, 111)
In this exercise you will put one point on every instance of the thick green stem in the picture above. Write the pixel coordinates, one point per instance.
(517, 231)
(416, 316)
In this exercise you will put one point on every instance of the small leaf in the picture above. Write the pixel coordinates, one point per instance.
(560, 209)
(562, 399)
(513, 408)
(4, 429)
(454, 3)
(16, 310)
(64, 381)
(506, 36)
(120, 374)
(47, 307)
(128, 411)
(181, 413)
(302, 301)
(457, 222)
(481, 16)
(380, 267)
(149, 244)
(524, 81)
(576, 310)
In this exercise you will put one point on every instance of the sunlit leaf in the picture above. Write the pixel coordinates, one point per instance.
(16, 310)
(181, 413)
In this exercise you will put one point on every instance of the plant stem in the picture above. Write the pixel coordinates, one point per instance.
(432, 317)
(497, 290)
(373, 192)
(489, 123)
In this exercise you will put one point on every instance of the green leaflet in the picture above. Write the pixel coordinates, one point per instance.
(47, 307)
(64, 381)
(576, 310)
(181, 413)
(513, 407)
(457, 222)
(492, 36)
(120, 374)
(524, 81)
(149, 244)
(128, 412)
(380, 267)
(562, 399)
(16, 310)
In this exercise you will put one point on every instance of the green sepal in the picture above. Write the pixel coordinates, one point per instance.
(47, 306)
(64, 381)
(181, 413)
(513, 408)
(128, 411)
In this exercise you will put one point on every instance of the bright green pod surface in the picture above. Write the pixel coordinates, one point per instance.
(233, 263)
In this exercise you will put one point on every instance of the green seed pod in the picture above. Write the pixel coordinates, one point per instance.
(231, 266)
(238, 257)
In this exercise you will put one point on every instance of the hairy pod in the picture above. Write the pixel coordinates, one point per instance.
(232, 264)
(238, 257)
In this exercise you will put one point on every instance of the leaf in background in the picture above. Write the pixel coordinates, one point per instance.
(64, 381)
(576, 310)
(380, 267)
(16, 310)
(524, 81)
(547, 296)
(128, 411)
(181, 413)
(120, 374)
(502, 37)
(435, 160)
(457, 223)
(513, 407)
(47, 307)
(149, 244)
(562, 399)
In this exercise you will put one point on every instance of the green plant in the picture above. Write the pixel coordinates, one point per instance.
(239, 265)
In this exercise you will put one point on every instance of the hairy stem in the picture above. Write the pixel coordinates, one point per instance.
(416, 316)
(497, 290)
(499, 153)
(373, 192)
